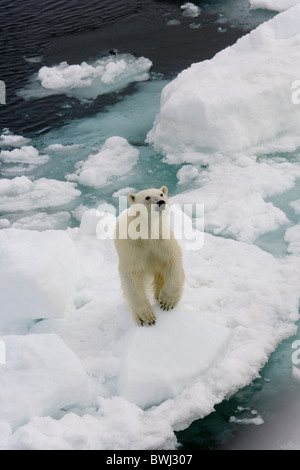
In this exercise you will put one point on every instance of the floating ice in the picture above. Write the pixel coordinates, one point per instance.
(238, 303)
(115, 159)
(257, 420)
(26, 154)
(88, 80)
(229, 103)
(62, 149)
(173, 22)
(190, 9)
(276, 5)
(7, 139)
(34, 59)
(22, 194)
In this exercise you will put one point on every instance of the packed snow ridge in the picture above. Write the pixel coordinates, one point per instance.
(229, 103)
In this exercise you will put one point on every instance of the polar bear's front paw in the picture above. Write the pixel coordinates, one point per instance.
(166, 302)
(146, 318)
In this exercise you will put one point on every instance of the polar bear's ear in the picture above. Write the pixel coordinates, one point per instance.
(164, 189)
(131, 198)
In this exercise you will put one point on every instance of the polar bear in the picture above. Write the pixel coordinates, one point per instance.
(148, 250)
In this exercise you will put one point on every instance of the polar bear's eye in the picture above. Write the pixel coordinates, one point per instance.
(147, 198)
(161, 195)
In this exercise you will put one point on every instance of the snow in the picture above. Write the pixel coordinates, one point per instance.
(64, 284)
(234, 191)
(216, 105)
(22, 194)
(43, 221)
(183, 364)
(41, 375)
(86, 81)
(276, 5)
(116, 158)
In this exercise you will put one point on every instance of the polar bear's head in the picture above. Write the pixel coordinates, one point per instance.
(151, 198)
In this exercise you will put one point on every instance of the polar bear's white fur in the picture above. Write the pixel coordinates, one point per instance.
(147, 248)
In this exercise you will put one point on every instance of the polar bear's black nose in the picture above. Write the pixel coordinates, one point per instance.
(160, 203)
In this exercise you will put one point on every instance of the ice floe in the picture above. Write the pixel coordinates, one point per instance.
(116, 158)
(86, 81)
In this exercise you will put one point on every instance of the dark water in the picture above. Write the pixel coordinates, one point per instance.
(35, 33)
(75, 31)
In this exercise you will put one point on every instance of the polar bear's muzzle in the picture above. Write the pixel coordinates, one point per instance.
(160, 206)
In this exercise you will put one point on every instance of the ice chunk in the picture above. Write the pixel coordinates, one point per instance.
(276, 5)
(41, 375)
(115, 159)
(22, 194)
(88, 80)
(26, 154)
(257, 420)
(7, 139)
(62, 149)
(190, 9)
(229, 103)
